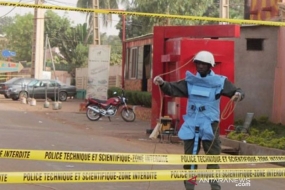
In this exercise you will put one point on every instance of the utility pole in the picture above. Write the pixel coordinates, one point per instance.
(224, 9)
(45, 51)
(96, 24)
(247, 5)
(38, 42)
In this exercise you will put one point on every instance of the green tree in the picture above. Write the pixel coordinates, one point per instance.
(20, 36)
(80, 57)
(236, 9)
(139, 25)
(55, 27)
(70, 40)
(116, 48)
(5, 21)
(3, 43)
(61, 34)
(71, 46)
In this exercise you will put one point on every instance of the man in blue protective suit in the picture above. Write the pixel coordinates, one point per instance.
(203, 91)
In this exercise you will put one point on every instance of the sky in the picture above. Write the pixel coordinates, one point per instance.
(76, 17)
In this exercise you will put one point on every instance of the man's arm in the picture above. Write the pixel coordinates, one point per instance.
(176, 89)
(230, 89)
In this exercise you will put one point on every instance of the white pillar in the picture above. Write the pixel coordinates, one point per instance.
(38, 42)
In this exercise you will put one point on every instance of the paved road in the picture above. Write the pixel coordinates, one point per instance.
(34, 127)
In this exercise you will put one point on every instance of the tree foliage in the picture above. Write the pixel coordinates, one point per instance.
(139, 25)
(103, 4)
(71, 47)
(56, 27)
(5, 21)
(69, 39)
(20, 36)
(60, 32)
(116, 48)
(236, 9)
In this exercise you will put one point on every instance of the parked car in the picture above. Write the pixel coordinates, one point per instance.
(41, 89)
(15, 83)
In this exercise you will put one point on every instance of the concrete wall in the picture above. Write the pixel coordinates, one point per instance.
(278, 108)
(62, 76)
(81, 76)
(255, 70)
(113, 71)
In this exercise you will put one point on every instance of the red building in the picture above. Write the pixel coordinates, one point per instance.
(137, 59)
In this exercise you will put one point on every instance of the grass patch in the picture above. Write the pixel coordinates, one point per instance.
(262, 132)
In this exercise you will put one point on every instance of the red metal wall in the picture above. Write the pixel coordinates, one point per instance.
(173, 46)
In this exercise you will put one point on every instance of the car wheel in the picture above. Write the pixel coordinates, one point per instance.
(5, 95)
(15, 98)
(23, 94)
(62, 96)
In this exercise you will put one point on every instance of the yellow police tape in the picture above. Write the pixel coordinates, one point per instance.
(141, 175)
(134, 158)
(104, 11)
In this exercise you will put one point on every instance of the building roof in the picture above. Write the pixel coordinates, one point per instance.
(150, 35)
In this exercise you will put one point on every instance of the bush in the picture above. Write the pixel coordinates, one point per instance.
(146, 99)
(237, 136)
(267, 134)
(111, 91)
(264, 133)
(134, 97)
(254, 132)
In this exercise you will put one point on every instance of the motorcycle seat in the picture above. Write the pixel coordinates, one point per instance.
(99, 101)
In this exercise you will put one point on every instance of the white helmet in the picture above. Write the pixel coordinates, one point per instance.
(206, 57)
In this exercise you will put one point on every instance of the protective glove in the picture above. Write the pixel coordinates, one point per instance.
(237, 97)
(158, 80)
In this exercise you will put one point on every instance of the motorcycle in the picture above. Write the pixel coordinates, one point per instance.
(97, 108)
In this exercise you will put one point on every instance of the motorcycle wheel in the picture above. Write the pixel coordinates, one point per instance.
(92, 115)
(128, 115)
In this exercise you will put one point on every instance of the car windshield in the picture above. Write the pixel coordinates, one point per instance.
(55, 83)
(33, 82)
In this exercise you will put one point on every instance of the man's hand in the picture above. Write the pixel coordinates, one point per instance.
(158, 80)
(237, 97)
